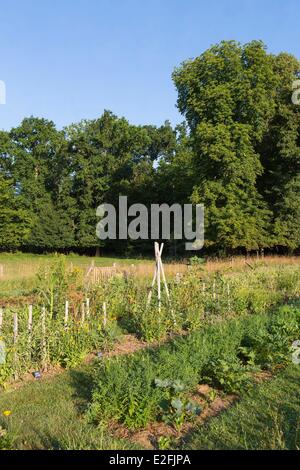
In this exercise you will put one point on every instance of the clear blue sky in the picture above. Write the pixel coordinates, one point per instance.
(70, 59)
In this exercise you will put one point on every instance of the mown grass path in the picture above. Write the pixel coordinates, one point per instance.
(268, 417)
(49, 414)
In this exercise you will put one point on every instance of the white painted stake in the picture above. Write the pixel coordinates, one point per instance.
(104, 315)
(15, 341)
(152, 285)
(158, 277)
(66, 314)
(30, 319)
(15, 328)
(44, 344)
(158, 252)
(29, 329)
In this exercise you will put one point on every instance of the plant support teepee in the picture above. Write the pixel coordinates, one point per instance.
(158, 275)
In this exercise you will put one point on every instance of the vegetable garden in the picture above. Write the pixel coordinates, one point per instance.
(223, 328)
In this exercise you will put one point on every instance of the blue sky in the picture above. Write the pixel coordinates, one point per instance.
(68, 60)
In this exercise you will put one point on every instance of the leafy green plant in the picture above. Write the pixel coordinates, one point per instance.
(230, 375)
(269, 343)
(176, 409)
(164, 443)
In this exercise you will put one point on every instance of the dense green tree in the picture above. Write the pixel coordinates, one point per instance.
(15, 221)
(280, 156)
(287, 222)
(238, 152)
(229, 96)
(41, 171)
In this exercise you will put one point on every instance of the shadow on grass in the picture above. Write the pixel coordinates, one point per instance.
(82, 383)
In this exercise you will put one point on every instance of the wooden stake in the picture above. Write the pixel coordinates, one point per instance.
(82, 313)
(154, 276)
(104, 315)
(87, 308)
(164, 279)
(15, 328)
(29, 329)
(158, 275)
(44, 343)
(66, 314)
(15, 342)
(30, 318)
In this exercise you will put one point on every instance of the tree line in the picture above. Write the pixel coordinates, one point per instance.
(237, 152)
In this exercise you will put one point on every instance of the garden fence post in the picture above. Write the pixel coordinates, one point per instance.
(15, 343)
(29, 329)
(66, 314)
(158, 277)
(44, 343)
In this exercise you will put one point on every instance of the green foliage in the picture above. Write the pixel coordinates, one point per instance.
(244, 136)
(268, 346)
(176, 409)
(134, 390)
(198, 299)
(54, 283)
(15, 224)
(6, 440)
(264, 418)
(230, 375)
(54, 342)
(238, 153)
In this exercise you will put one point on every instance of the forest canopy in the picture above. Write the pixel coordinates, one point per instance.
(237, 152)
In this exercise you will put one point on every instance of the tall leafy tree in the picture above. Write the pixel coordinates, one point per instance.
(229, 96)
(15, 221)
(41, 174)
